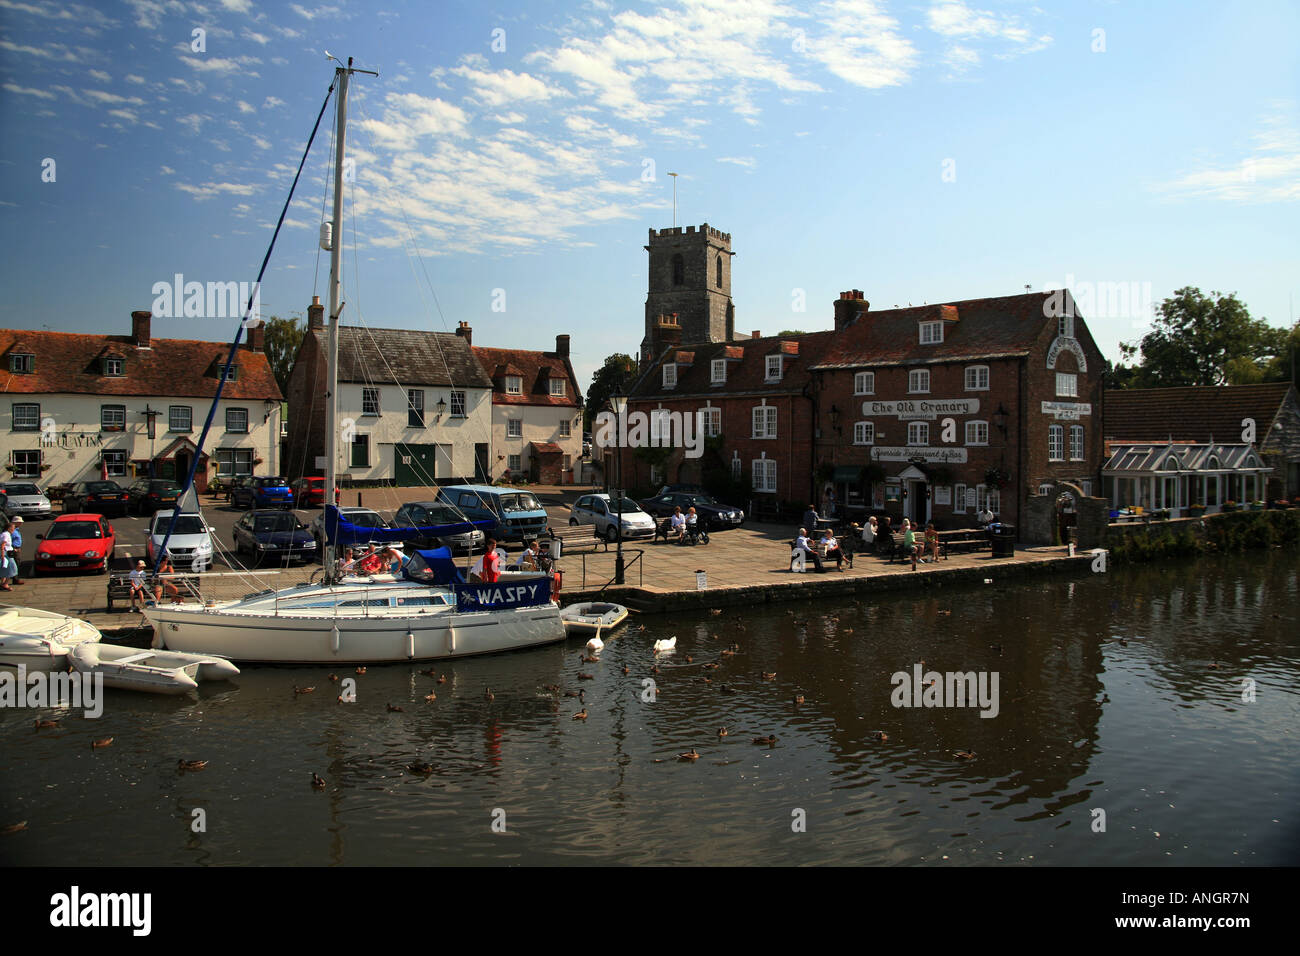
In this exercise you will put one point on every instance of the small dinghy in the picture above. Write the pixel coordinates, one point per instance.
(592, 617)
(41, 640)
(156, 672)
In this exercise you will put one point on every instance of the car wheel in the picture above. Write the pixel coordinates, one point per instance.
(611, 533)
(573, 522)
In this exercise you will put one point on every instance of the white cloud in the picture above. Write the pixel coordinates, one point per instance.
(313, 14)
(238, 6)
(194, 121)
(105, 98)
(963, 26)
(246, 107)
(1268, 172)
(271, 102)
(134, 78)
(208, 190)
(54, 51)
(29, 91)
(217, 64)
(861, 45)
(100, 75)
(259, 38)
(409, 116)
(499, 87)
(749, 162)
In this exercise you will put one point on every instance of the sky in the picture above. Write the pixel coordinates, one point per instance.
(510, 158)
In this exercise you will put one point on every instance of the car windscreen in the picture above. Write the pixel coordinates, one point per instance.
(266, 524)
(628, 506)
(67, 530)
(364, 519)
(520, 502)
(702, 500)
(164, 487)
(272, 482)
(185, 524)
(104, 488)
(12, 490)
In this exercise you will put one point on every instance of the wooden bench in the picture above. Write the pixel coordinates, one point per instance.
(577, 537)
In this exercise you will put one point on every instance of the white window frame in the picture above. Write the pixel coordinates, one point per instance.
(115, 463)
(1056, 443)
(763, 419)
(566, 428)
(1076, 446)
(515, 462)
(931, 333)
(514, 428)
(864, 433)
(189, 418)
(864, 383)
(415, 407)
(670, 375)
(918, 434)
(959, 499)
(973, 376)
(22, 363)
(977, 433)
(514, 385)
(763, 472)
(231, 462)
(228, 373)
(370, 402)
(918, 381)
(115, 367)
(773, 368)
(556, 386)
(26, 424)
(31, 464)
(108, 412)
(711, 421)
(236, 412)
(1067, 385)
(718, 372)
(458, 404)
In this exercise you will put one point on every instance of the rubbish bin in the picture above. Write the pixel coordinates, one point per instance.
(1004, 540)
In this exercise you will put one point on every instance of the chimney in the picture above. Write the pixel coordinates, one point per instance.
(756, 334)
(465, 332)
(562, 346)
(140, 328)
(256, 337)
(849, 307)
(315, 314)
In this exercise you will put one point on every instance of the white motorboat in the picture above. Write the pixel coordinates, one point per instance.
(427, 614)
(40, 640)
(592, 617)
(157, 672)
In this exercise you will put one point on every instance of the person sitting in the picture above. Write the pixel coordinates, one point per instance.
(984, 517)
(869, 532)
(528, 560)
(849, 546)
(678, 525)
(372, 562)
(830, 549)
(395, 561)
(802, 543)
(885, 537)
(161, 582)
(910, 547)
(346, 564)
(137, 586)
(932, 541)
(695, 528)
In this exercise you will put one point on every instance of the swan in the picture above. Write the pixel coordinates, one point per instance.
(595, 645)
(668, 645)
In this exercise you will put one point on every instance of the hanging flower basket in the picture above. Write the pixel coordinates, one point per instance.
(997, 478)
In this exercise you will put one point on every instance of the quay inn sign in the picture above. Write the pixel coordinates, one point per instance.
(923, 408)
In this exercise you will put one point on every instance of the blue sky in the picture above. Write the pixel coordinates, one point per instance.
(923, 151)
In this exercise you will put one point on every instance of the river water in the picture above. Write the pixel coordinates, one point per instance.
(1119, 692)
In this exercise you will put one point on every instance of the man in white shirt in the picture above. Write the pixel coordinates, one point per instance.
(679, 524)
(810, 552)
(137, 586)
(984, 517)
(6, 545)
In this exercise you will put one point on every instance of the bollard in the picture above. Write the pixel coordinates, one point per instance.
(1071, 549)
(701, 579)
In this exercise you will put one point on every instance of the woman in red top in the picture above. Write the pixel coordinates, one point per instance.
(371, 563)
(491, 563)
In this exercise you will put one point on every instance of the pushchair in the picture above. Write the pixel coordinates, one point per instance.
(696, 533)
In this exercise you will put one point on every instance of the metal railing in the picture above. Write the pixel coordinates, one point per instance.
(627, 564)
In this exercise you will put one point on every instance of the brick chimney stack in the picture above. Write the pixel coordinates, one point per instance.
(315, 314)
(256, 338)
(562, 346)
(140, 328)
(849, 307)
(756, 334)
(466, 333)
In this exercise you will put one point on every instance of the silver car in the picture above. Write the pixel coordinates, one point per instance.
(26, 499)
(190, 545)
(599, 510)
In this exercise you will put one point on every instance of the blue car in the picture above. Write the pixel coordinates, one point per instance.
(518, 514)
(273, 534)
(261, 492)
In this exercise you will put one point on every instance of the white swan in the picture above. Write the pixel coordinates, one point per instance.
(595, 644)
(668, 645)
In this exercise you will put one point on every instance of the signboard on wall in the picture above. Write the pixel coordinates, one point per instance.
(1067, 411)
(950, 456)
(926, 408)
(943, 494)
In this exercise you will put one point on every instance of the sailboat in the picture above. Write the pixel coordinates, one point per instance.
(428, 612)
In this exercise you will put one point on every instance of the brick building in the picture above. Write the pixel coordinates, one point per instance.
(536, 411)
(935, 412)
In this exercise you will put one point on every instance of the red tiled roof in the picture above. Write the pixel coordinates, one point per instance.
(988, 328)
(789, 348)
(731, 352)
(546, 448)
(69, 363)
(1192, 414)
(749, 374)
(536, 370)
(685, 358)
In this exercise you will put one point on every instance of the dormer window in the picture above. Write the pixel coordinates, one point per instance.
(670, 375)
(22, 363)
(718, 370)
(229, 373)
(931, 333)
(514, 385)
(114, 366)
(557, 387)
(774, 368)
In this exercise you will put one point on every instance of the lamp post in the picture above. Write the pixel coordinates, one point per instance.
(618, 401)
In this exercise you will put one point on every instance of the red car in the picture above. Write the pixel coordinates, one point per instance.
(310, 493)
(75, 542)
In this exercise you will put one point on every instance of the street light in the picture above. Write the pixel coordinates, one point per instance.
(618, 401)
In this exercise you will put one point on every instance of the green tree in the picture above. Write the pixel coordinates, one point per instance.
(1202, 340)
(281, 339)
(619, 370)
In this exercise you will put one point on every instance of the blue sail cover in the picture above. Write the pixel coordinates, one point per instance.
(433, 567)
(343, 533)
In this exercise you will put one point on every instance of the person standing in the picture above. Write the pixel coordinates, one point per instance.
(16, 532)
(491, 563)
(910, 546)
(869, 532)
(809, 521)
(6, 545)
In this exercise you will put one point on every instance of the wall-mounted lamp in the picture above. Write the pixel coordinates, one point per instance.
(835, 418)
(1000, 419)
(269, 406)
(442, 408)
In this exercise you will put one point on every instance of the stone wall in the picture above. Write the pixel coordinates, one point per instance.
(1092, 517)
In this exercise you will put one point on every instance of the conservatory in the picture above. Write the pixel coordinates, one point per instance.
(1179, 476)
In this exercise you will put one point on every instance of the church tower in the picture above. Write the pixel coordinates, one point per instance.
(690, 276)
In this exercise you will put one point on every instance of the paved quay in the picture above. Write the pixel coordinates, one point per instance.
(743, 566)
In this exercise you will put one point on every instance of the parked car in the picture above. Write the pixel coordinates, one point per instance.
(80, 542)
(147, 495)
(518, 514)
(309, 492)
(362, 517)
(26, 499)
(599, 510)
(713, 514)
(423, 514)
(190, 545)
(96, 497)
(273, 533)
(261, 491)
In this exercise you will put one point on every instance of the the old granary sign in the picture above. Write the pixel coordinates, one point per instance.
(1067, 411)
(923, 407)
(949, 456)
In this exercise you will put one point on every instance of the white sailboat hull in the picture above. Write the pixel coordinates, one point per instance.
(40, 640)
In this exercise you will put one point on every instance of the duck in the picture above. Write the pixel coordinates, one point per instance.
(639, 628)
(105, 742)
(442, 678)
(964, 754)
(944, 613)
(689, 755)
(489, 696)
(625, 671)
(666, 645)
(575, 693)
(768, 676)
(334, 678)
(727, 690)
(727, 653)
(722, 731)
(879, 735)
(431, 672)
(361, 670)
(715, 611)
(581, 715)
(13, 828)
(302, 690)
(46, 724)
(768, 741)
(654, 669)
(595, 644)
(191, 764)
(689, 659)
(394, 709)
(706, 680)
(712, 667)
(431, 697)
(588, 660)
(317, 781)
(582, 676)
(798, 699)
(420, 767)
